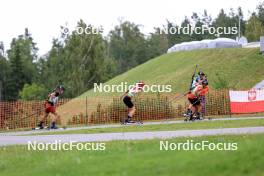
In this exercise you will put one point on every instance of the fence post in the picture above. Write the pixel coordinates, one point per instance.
(86, 111)
(230, 114)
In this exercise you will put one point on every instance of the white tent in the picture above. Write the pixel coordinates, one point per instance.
(260, 85)
(194, 45)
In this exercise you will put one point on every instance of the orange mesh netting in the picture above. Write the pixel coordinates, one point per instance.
(101, 110)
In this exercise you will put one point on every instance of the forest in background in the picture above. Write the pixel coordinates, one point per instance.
(79, 60)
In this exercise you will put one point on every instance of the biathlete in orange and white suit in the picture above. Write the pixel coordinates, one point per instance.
(194, 98)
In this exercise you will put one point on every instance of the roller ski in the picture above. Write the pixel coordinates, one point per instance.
(40, 128)
(128, 121)
(133, 123)
(48, 128)
(51, 127)
(189, 116)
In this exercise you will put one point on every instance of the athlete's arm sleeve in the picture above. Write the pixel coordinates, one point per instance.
(198, 90)
(55, 101)
(204, 91)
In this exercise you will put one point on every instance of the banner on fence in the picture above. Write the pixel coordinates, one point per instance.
(251, 101)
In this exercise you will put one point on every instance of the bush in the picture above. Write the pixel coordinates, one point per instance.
(33, 92)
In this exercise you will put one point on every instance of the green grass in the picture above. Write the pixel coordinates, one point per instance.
(169, 127)
(237, 68)
(141, 158)
(241, 68)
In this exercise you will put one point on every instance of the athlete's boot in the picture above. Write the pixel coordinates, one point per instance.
(53, 126)
(40, 126)
(198, 116)
(129, 120)
(187, 113)
(192, 118)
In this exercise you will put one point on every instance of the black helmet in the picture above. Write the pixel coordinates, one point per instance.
(60, 87)
(201, 73)
(205, 82)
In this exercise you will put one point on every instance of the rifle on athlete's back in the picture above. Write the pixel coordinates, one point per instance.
(190, 88)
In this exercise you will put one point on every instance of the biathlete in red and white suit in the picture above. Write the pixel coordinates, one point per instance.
(50, 107)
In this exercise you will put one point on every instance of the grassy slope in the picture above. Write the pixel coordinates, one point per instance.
(139, 158)
(242, 68)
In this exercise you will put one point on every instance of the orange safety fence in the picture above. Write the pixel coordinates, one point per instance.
(22, 114)
(111, 109)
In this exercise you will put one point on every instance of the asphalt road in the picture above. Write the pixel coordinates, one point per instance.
(15, 133)
(24, 140)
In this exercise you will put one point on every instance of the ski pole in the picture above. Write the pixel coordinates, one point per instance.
(190, 88)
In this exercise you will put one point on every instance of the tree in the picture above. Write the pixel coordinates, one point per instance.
(22, 56)
(52, 67)
(157, 43)
(229, 21)
(254, 28)
(33, 92)
(78, 60)
(4, 72)
(127, 45)
(196, 21)
(2, 49)
(260, 12)
(240, 16)
(17, 78)
(178, 36)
